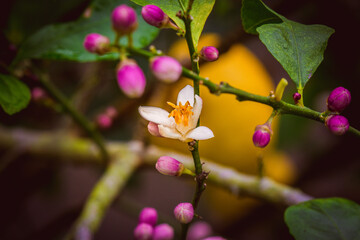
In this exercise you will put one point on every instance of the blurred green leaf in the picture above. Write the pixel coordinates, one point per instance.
(327, 219)
(65, 41)
(299, 48)
(200, 11)
(14, 95)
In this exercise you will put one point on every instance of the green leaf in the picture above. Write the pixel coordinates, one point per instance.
(14, 95)
(324, 219)
(65, 41)
(255, 13)
(299, 48)
(200, 12)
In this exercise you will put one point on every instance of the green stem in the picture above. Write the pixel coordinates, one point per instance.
(77, 117)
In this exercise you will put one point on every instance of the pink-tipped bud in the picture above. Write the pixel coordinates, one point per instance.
(148, 215)
(153, 129)
(262, 135)
(184, 212)
(337, 124)
(338, 99)
(124, 19)
(209, 53)
(166, 69)
(296, 97)
(163, 232)
(111, 112)
(96, 43)
(131, 78)
(169, 166)
(199, 230)
(143, 231)
(38, 94)
(103, 121)
(154, 16)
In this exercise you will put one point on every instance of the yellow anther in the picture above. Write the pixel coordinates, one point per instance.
(181, 113)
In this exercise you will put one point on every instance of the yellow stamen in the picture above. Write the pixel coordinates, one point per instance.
(181, 113)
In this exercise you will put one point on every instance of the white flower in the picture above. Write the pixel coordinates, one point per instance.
(181, 122)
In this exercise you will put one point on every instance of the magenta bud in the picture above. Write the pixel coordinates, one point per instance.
(38, 94)
(338, 99)
(124, 19)
(199, 230)
(296, 97)
(153, 129)
(154, 16)
(148, 215)
(262, 135)
(209, 53)
(103, 121)
(163, 232)
(96, 43)
(166, 69)
(184, 212)
(143, 231)
(169, 166)
(337, 124)
(131, 78)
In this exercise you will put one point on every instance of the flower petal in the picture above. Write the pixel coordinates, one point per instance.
(196, 110)
(169, 132)
(156, 115)
(186, 94)
(200, 133)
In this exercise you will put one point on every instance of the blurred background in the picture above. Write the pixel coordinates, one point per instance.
(41, 198)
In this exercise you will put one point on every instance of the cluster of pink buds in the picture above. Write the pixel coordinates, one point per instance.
(262, 135)
(147, 228)
(105, 120)
(337, 101)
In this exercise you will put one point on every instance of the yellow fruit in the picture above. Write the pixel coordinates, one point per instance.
(232, 122)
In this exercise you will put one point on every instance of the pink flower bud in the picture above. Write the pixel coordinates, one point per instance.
(262, 135)
(166, 69)
(154, 16)
(337, 124)
(124, 19)
(103, 121)
(338, 99)
(38, 94)
(153, 129)
(296, 97)
(199, 230)
(131, 78)
(148, 215)
(163, 232)
(184, 212)
(111, 112)
(169, 166)
(143, 231)
(96, 43)
(209, 53)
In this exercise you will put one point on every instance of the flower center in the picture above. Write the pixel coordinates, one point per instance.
(181, 113)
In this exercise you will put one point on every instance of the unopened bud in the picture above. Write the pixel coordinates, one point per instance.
(296, 97)
(111, 112)
(184, 212)
(154, 16)
(166, 69)
(103, 121)
(148, 215)
(338, 99)
(131, 78)
(124, 19)
(143, 231)
(199, 230)
(337, 124)
(163, 232)
(169, 166)
(96, 43)
(262, 135)
(153, 129)
(38, 94)
(209, 53)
